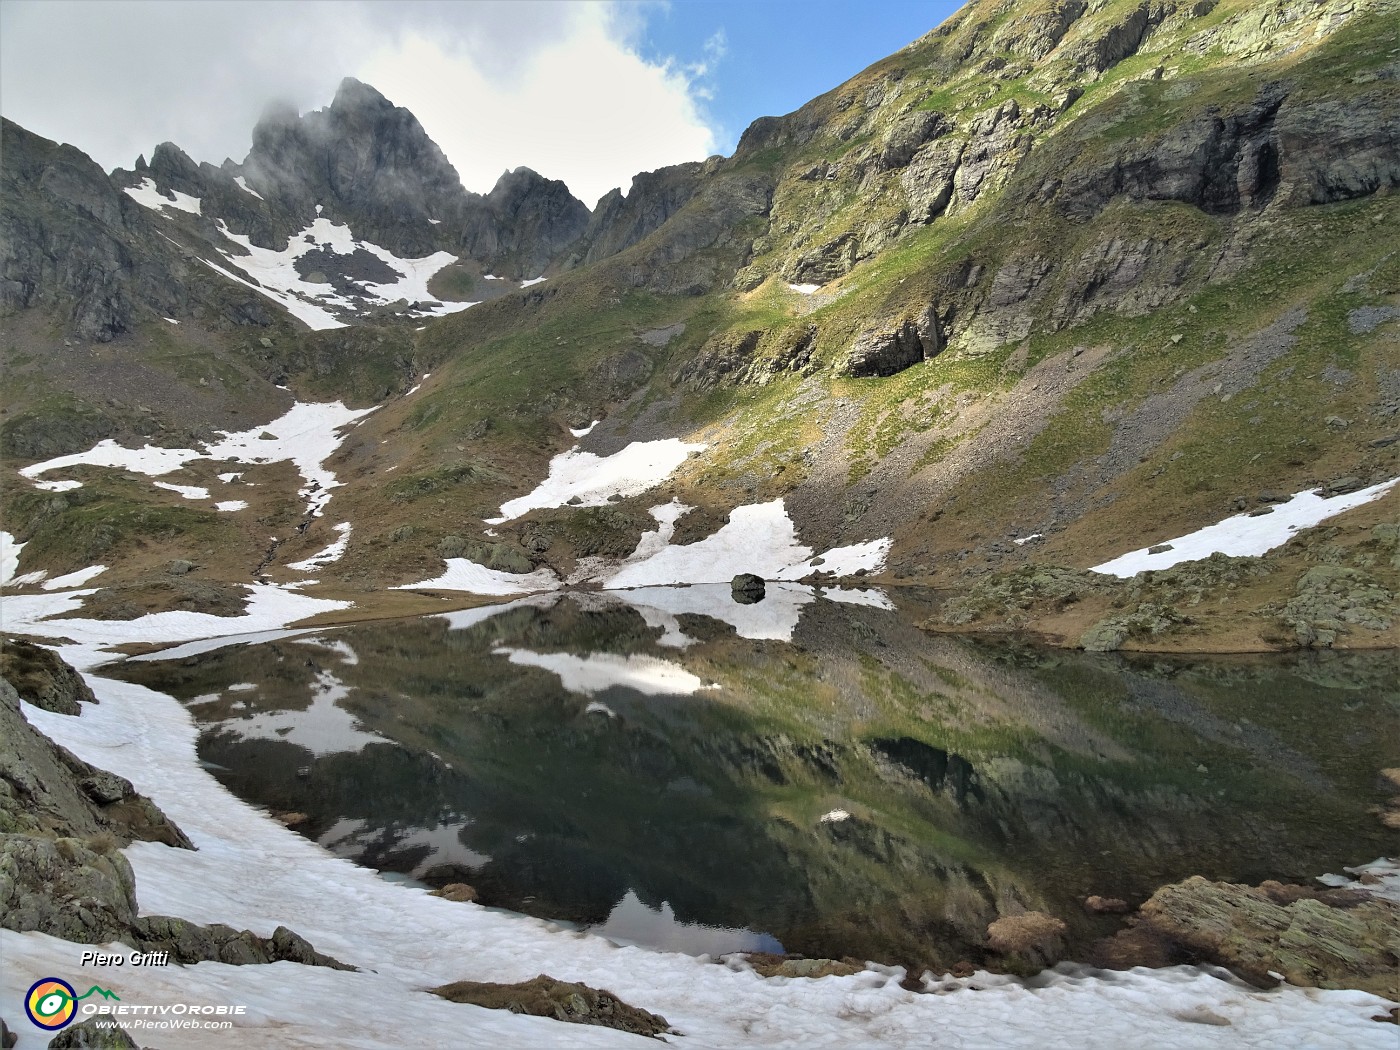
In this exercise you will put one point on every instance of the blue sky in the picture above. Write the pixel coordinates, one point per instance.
(587, 91)
(777, 54)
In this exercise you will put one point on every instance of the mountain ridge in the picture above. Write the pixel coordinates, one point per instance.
(1018, 278)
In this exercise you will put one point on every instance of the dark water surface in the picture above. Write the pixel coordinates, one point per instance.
(802, 774)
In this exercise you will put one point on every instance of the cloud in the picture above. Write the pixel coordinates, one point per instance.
(561, 88)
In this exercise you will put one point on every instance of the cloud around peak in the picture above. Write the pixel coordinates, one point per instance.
(560, 88)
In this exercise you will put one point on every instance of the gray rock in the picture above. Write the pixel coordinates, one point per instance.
(45, 789)
(41, 678)
(888, 351)
(1366, 319)
(63, 888)
(748, 588)
(544, 996)
(96, 1033)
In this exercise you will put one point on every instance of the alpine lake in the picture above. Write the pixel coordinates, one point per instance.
(671, 768)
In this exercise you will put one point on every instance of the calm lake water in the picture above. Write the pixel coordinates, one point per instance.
(807, 775)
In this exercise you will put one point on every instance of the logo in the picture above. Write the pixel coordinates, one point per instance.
(51, 1002)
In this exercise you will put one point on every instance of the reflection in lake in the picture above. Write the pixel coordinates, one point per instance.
(677, 770)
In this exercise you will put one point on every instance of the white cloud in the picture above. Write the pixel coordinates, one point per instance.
(561, 88)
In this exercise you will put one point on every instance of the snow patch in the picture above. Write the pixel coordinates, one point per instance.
(74, 579)
(533, 280)
(243, 185)
(591, 479)
(1243, 536)
(58, 486)
(805, 289)
(462, 574)
(188, 491)
(9, 557)
(306, 436)
(584, 431)
(276, 272)
(329, 554)
(149, 196)
(229, 505)
(1382, 879)
(314, 317)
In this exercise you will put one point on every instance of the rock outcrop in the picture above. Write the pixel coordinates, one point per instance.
(62, 822)
(544, 996)
(46, 790)
(889, 351)
(1314, 938)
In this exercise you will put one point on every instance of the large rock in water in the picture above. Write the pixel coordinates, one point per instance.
(1314, 938)
(748, 588)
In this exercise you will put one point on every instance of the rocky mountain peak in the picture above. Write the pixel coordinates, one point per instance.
(356, 94)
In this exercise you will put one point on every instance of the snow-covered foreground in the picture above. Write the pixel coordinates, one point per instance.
(1243, 535)
(251, 872)
(306, 435)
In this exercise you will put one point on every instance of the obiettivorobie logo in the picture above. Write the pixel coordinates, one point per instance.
(52, 1002)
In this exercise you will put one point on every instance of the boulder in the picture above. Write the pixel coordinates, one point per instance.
(96, 1033)
(1314, 938)
(45, 789)
(747, 588)
(459, 892)
(546, 997)
(1032, 931)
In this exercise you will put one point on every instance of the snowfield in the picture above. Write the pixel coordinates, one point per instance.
(1242, 535)
(306, 436)
(148, 195)
(587, 480)
(276, 272)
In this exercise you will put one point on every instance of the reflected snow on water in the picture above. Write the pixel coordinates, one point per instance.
(675, 769)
